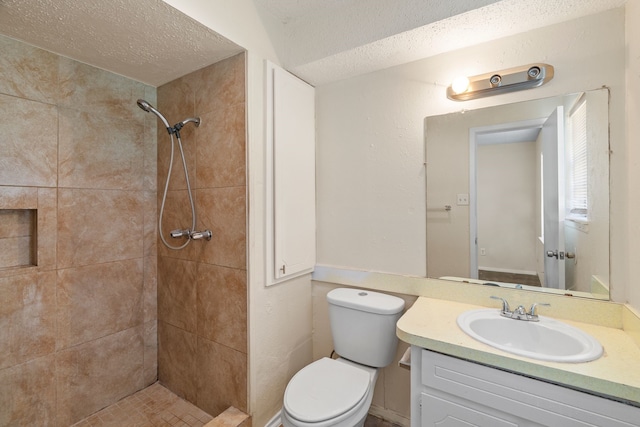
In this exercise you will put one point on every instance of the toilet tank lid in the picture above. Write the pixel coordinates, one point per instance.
(365, 300)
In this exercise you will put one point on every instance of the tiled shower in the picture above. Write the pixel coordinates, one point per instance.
(92, 307)
(202, 289)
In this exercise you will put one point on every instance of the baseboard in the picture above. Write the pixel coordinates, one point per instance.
(507, 270)
(275, 421)
(390, 416)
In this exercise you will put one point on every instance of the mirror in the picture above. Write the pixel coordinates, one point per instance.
(518, 195)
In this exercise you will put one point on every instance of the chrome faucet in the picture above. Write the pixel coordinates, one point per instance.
(519, 313)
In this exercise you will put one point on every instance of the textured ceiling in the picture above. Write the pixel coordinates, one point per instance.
(357, 36)
(319, 40)
(146, 40)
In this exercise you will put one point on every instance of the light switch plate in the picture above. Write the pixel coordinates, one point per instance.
(463, 200)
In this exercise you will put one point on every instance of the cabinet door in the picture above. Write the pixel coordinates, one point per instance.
(447, 413)
(292, 166)
(485, 389)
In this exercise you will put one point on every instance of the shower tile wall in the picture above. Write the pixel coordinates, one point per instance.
(202, 290)
(77, 331)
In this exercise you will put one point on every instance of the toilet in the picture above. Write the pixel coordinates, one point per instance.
(338, 392)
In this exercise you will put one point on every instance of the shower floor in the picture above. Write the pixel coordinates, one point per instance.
(153, 406)
(156, 406)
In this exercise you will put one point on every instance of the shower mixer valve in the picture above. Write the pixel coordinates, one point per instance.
(192, 235)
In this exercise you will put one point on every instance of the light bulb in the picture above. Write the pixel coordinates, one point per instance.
(460, 85)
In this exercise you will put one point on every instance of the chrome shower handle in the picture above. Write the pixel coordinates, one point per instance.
(199, 235)
(176, 234)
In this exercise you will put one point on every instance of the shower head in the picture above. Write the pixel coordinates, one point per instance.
(144, 105)
(149, 109)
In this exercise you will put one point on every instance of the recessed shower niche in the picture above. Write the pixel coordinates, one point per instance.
(18, 238)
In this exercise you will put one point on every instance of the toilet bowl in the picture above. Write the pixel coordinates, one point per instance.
(338, 392)
(329, 392)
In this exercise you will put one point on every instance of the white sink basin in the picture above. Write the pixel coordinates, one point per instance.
(547, 339)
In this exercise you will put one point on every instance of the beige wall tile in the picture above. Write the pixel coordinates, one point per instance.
(27, 317)
(176, 103)
(17, 237)
(222, 377)
(98, 226)
(150, 373)
(220, 85)
(221, 160)
(215, 154)
(177, 360)
(150, 172)
(177, 293)
(28, 393)
(47, 227)
(150, 209)
(93, 375)
(222, 305)
(177, 99)
(83, 87)
(98, 300)
(43, 245)
(29, 142)
(223, 211)
(18, 197)
(16, 222)
(98, 151)
(150, 291)
(107, 142)
(28, 72)
(16, 251)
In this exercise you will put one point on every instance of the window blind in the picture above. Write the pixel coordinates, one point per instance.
(577, 203)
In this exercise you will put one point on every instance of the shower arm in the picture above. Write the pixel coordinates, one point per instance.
(176, 128)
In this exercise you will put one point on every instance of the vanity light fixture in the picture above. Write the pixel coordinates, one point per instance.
(511, 80)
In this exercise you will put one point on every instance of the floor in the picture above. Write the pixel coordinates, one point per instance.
(154, 406)
(522, 279)
(372, 421)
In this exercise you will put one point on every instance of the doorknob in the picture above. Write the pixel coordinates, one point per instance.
(559, 255)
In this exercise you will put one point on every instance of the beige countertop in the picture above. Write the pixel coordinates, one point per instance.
(431, 323)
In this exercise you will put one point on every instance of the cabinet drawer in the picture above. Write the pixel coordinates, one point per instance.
(526, 398)
(446, 413)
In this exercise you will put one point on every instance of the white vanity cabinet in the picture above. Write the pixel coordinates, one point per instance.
(450, 392)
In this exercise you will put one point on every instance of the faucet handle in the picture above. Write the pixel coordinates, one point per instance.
(532, 310)
(505, 304)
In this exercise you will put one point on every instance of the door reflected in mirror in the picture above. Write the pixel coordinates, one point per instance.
(518, 195)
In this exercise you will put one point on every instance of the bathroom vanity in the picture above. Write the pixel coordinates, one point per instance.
(457, 381)
(447, 391)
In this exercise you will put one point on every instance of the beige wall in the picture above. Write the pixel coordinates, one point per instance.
(506, 207)
(370, 148)
(77, 331)
(202, 289)
(632, 154)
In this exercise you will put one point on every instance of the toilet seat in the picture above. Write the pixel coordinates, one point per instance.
(325, 389)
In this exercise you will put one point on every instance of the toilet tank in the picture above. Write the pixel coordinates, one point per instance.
(363, 325)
